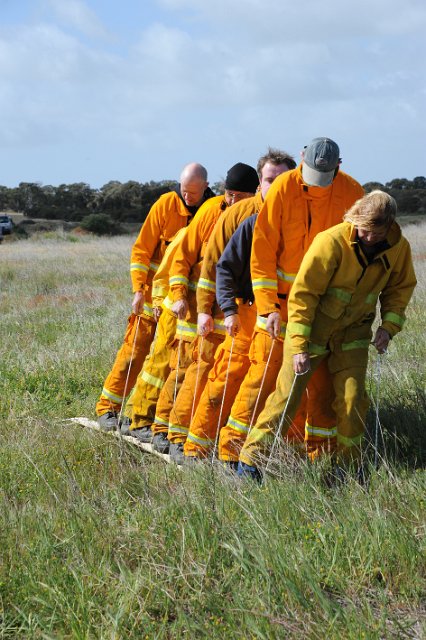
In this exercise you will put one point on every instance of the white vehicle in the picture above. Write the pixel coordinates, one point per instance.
(6, 224)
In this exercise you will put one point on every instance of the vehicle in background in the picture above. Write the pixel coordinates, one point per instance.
(6, 224)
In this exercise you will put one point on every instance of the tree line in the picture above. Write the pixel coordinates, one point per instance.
(130, 201)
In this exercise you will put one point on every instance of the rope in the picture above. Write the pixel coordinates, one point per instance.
(177, 370)
(377, 417)
(129, 367)
(200, 353)
(280, 425)
(216, 441)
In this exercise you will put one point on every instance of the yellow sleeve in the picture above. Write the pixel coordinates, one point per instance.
(146, 243)
(316, 271)
(222, 232)
(264, 253)
(160, 283)
(188, 250)
(397, 292)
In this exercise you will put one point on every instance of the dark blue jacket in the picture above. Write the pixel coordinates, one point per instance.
(233, 277)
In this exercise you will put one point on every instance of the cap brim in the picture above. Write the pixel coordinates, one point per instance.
(316, 178)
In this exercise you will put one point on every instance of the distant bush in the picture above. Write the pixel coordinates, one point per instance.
(101, 224)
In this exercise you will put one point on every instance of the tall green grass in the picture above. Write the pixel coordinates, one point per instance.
(99, 540)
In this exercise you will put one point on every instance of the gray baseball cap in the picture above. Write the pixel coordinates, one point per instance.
(320, 161)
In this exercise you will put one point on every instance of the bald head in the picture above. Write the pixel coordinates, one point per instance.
(193, 183)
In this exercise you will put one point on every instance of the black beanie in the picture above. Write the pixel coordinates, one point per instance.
(242, 177)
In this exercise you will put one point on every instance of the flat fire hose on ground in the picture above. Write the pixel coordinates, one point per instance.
(92, 424)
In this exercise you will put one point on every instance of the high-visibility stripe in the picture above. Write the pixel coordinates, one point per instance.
(203, 283)
(320, 432)
(206, 443)
(299, 329)
(139, 266)
(261, 324)
(371, 298)
(112, 396)
(176, 280)
(152, 380)
(178, 428)
(286, 277)
(147, 309)
(355, 344)
(317, 349)
(341, 294)
(167, 303)
(158, 420)
(219, 327)
(349, 442)
(394, 318)
(263, 283)
(154, 266)
(186, 329)
(237, 425)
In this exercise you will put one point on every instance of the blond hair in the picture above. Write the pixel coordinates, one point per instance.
(375, 210)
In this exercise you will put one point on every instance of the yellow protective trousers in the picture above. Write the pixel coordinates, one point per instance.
(193, 385)
(154, 374)
(181, 355)
(348, 369)
(265, 357)
(180, 359)
(128, 362)
(313, 426)
(230, 366)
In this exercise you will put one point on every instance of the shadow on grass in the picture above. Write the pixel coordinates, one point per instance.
(401, 433)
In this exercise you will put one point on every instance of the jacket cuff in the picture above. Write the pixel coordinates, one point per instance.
(391, 328)
(230, 310)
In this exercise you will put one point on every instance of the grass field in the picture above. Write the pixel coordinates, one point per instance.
(99, 540)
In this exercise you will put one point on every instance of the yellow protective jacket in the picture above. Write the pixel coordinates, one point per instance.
(334, 296)
(160, 282)
(206, 290)
(292, 215)
(186, 264)
(166, 216)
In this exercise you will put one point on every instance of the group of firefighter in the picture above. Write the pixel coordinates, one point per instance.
(253, 310)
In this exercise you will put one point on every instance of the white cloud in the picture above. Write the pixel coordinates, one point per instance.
(220, 80)
(76, 14)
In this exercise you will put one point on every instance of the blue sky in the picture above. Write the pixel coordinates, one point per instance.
(92, 91)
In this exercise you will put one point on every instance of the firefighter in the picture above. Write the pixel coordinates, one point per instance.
(139, 412)
(299, 204)
(171, 212)
(184, 378)
(231, 360)
(332, 306)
